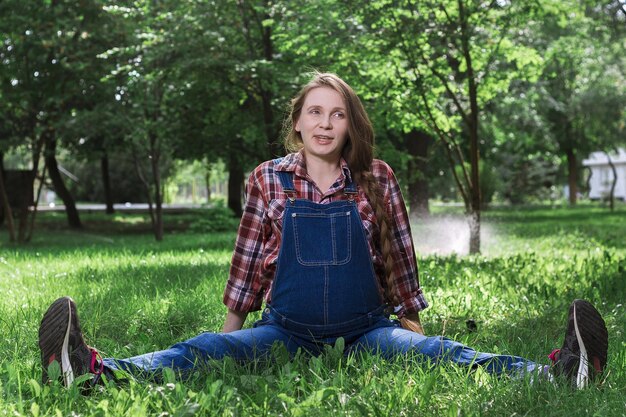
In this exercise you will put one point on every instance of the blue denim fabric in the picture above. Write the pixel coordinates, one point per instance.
(325, 277)
(325, 288)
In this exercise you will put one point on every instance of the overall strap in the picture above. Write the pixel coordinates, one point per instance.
(286, 181)
(350, 188)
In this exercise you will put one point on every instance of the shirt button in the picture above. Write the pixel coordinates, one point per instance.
(266, 311)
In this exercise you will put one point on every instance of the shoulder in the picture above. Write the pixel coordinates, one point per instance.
(382, 171)
(385, 177)
(264, 175)
(265, 171)
(262, 172)
(379, 164)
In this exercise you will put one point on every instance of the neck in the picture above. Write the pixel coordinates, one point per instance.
(316, 166)
(322, 171)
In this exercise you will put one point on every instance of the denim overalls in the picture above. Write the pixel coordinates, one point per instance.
(324, 288)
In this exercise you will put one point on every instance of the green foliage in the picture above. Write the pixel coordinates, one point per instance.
(49, 64)
(125, 186)
(217, 219)
(135, 295)
(490, 181)
(191, 80)
(576, 102)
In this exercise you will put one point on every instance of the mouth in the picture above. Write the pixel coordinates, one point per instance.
(323, 138)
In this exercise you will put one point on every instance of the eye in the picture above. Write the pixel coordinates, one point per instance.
(339, 115)
(314, 111)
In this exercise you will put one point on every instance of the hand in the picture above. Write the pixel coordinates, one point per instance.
(234, 321)
(412, 322)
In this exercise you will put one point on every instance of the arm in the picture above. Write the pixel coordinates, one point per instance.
(244, 292)
(405, 271)
(234, 320)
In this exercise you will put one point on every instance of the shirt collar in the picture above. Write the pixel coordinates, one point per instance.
(295, 162)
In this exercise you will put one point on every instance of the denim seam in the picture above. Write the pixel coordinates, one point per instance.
(314, 330)
(349, 245)
(330, 217)
(333, 239)
(326, 285)
(371, 263)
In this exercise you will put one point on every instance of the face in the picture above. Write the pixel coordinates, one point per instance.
(323, 124)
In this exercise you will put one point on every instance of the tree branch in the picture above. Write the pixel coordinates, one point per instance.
(431, 67)
(447, 141)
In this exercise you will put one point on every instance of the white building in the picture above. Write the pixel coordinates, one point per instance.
(602, 174)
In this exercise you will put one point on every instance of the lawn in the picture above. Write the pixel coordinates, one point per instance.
(135, 295)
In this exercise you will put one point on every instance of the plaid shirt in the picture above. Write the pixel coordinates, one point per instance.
(260, 231)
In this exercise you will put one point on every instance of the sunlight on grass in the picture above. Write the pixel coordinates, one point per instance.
(126, 219)
(136, 295)
(540, 230)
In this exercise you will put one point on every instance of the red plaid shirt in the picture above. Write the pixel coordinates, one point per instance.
(258, 240)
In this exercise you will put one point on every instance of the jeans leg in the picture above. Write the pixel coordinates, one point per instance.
(241, 345)
(391, 341)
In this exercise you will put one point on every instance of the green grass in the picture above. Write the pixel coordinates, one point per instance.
(135, 295)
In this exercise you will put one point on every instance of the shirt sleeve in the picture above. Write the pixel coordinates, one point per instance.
(244, 291)
(405, 271)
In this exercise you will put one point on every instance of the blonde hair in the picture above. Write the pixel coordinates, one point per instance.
(358, 153)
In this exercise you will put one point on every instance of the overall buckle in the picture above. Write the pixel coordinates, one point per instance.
(291, 195)
(350, 194)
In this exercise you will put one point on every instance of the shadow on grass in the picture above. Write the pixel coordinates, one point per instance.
(69, 241)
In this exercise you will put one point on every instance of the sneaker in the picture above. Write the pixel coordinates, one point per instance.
(583, 355)
(61, 340)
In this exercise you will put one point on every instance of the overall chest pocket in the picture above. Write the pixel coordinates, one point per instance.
(322, 239)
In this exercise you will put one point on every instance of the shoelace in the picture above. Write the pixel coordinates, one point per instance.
(96, 359)
(552, 355)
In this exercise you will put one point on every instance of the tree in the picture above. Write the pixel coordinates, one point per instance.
(23, 82)
(146, 64)
(49, 55)
(581, 60)
(444, 61)
(229, 55)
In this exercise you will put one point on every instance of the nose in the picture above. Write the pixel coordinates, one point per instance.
(325, 122)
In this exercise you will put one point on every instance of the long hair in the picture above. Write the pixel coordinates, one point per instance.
(358, 153)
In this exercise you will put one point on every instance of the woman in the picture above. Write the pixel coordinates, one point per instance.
(325, 241)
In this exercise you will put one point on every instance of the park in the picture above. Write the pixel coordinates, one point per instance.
(129, 137)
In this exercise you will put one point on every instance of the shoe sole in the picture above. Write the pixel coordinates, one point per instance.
(592, 337)
(55, 322)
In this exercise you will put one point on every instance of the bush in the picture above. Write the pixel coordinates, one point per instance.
(218, 219)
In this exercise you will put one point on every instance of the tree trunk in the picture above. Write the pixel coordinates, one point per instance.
(588, 184)
(73, 219)
(146, 186)
(207, 182)
(106, 183)
(42, 181)
(272, 135)
(3, 192)
(157, 184)
(7, 213)
(572, 176)
(417, 143)
(235, 185)
(263, 83)
(472, 127)
(474, 225)
(613, 184)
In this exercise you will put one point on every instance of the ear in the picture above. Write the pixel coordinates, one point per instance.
(297, 126)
